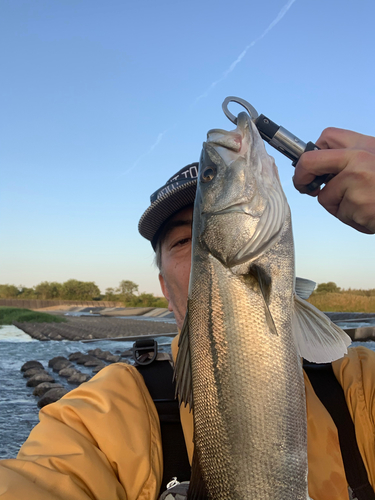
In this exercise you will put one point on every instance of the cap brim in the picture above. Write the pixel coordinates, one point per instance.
(164, 207)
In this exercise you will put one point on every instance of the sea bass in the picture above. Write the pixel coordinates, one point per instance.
(239, 365)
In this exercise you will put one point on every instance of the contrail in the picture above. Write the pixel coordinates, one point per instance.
(277, 19)
(159, 138)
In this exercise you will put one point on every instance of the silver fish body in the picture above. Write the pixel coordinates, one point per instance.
(248, 394)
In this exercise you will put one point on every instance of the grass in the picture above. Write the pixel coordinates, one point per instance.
(10, 314)
(343, 302)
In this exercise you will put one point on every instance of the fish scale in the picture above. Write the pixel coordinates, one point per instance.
(225, 396)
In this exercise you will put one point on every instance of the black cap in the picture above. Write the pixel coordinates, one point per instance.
(177, 193)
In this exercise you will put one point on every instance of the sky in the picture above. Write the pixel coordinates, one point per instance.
(103, 101)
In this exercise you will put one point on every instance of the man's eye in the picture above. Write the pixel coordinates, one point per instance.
(181, 242)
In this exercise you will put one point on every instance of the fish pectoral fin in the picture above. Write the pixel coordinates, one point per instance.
(264, 283)
(317, 339)
(182, 371)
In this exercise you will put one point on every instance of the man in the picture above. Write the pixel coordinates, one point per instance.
(102, 440)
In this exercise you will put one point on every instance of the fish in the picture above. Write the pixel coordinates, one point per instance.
(239, 362)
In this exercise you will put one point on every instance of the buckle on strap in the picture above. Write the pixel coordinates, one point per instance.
(145, 351)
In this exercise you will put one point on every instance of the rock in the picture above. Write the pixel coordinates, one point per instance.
(55, 336)
(52, 396)
(126, 361)
(127, 354)
(97, 369)
(52, 361)
(38, 378)
(32, 371)
(100, 354)
(75, 355)
(31, 364)
(60, 364)
(95, 352)
(42, 388)
(78, 378)
(111, 358)
(67, 372)
(94, 362)
(105, 355)
(84, 358)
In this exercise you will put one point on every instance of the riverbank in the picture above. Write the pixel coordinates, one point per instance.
(88, 327)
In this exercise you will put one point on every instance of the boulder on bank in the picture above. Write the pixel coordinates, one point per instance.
(38, 378)
(67, 371)
(31, 364)
(60, 364)
(97, 368)
(94, 362)
(84, 358)
(112, 358)
(54, 360)
(78, 378)
(104, 355)
(52, 396)
(96, 352)
(32, 371)
(126, 354)
(42, 388)
(75, 355)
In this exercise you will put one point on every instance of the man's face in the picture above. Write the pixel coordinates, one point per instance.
(176, 262)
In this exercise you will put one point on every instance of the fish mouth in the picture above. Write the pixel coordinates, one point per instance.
(233, 143)
(230, 145)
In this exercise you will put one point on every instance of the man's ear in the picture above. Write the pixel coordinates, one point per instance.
(164, 289)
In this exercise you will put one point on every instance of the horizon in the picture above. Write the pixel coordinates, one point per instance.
(138, 292)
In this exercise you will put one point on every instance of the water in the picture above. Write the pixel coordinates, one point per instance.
(10, 333)
(139, 318)
(145, 318)
(355, 323)
(18, 406)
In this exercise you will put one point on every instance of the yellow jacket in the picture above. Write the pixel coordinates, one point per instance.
(102, 440)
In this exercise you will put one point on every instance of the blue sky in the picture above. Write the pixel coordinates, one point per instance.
(101, 102)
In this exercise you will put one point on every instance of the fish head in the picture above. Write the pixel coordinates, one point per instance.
(240, 207)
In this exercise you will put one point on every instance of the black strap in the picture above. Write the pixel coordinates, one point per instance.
(331, 394)
(158, 377)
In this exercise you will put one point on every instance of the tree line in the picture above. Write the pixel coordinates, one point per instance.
(331, 287)
(126, 293)
(330, 297)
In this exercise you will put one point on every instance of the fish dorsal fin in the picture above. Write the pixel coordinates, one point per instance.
(197, 488)
(264, 282)
(182, 371)
(268, 228)
(317, 339)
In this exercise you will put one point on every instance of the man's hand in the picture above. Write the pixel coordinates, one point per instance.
(350, 194)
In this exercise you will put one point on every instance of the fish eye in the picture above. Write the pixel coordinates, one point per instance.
(208, 174)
